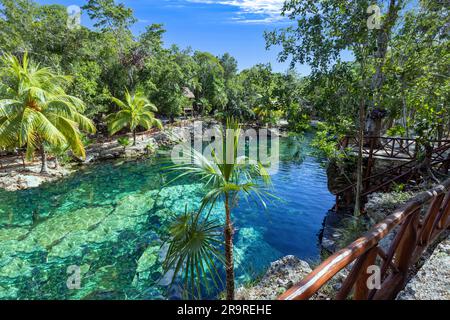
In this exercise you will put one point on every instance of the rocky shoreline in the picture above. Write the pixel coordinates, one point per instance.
(430, 281)
(16, 175)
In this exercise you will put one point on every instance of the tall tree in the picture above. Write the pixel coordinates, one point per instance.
(228, 177)
(210, 73)
(36, 110)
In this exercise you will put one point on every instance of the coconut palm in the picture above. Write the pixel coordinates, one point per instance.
(228, 180)
(135, 111)
(35, 110)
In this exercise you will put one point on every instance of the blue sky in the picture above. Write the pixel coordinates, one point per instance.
(217, 26)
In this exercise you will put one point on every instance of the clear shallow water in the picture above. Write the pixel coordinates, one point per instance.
(109, 220)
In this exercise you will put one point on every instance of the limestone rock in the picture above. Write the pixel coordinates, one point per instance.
(380, 205)
(432, 281)
(282, 275)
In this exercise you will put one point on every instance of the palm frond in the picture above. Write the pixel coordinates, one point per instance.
(137, 111)
(193, 252)
(36, 102)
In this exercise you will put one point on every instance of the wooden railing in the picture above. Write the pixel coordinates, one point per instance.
(393, 147)
(384, 180)
(440, 160)
(414, 227)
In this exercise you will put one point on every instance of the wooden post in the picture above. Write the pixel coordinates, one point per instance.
(361, 288)
(406, 248)
(369, 164)
(430, 220)
(357, 210)
(444, 214)
(358, 277)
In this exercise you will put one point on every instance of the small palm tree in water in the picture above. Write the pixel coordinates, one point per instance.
(227, 177)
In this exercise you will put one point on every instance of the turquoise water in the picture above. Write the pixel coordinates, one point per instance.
(109, 220)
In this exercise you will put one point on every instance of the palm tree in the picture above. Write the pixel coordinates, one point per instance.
(228, 180)
(135, 111)
(35, 110)
(193, 246)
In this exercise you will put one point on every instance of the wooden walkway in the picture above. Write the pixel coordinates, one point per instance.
(399, 149)
(413, 228)
(393, 148)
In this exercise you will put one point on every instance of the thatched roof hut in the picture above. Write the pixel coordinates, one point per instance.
(188, 93)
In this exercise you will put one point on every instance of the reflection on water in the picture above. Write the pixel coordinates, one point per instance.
(110, 219)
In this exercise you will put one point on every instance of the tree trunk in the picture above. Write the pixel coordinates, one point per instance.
(359, 169)
(134, 137)
(22, 155)
(382, 42)
(404, 109)
(57, 165)
(44, 168)
(229, 263)
(440, 134)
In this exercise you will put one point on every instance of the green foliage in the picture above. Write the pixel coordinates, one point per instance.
(328, 137)
(211, 78)
(301, 123)
(165, 77)
(107, 59)
(150, 148)
(227, 178)
(35, 109)
(194, 252)
(124, 141)
(397, 68)
(108, 15)
(135, 111)
(398, 187)
(396, 131)
(60, 153)
(351, 229)
(403, 75)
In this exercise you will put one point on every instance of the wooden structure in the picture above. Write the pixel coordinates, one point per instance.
(189, 110)
(412, 228)
(392, 149)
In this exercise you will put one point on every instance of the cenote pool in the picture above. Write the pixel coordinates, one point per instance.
(109, 220)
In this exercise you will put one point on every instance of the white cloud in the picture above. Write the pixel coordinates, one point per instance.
(252, 11)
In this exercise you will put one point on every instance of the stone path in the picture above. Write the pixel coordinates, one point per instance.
(432, 281)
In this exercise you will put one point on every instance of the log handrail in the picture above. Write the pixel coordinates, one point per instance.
(413, 237)
(439, 158)
(387, 147)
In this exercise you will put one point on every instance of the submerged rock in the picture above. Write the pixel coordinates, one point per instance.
(281, 275)
(252, 254)
(53, 230)
(12, 233)
(147, 264)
